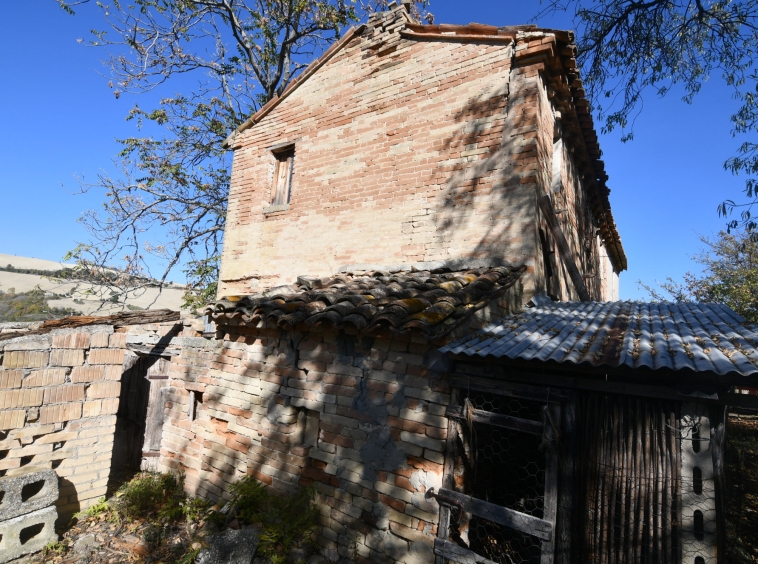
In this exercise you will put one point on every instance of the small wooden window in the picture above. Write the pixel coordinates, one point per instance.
(283, 176)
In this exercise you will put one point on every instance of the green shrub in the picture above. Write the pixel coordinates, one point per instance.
(98, 508)
(148, 494)
(287, 521)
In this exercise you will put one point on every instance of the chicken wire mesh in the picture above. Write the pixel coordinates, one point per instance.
(503, 467)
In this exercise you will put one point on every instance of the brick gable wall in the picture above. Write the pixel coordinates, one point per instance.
(405, 151)
(402, 154)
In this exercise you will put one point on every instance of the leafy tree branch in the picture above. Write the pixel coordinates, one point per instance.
(168, 199)
(629, 47)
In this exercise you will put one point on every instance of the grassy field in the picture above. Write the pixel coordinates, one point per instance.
(31, 273)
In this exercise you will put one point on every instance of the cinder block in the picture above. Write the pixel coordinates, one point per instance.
(20, 398)
(27, 492)
(117, 341)
(87, 374)
(27, 534)
(64, 394)
(12, 419)
(60, 413)
(102, 390)
(25, 359)
(46, 377)
(99, 340)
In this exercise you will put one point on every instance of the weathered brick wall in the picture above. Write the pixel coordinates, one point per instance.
(59, 394)
(58, 402)
(405, 151)
(361, 418)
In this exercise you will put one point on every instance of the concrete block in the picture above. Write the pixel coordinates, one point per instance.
(27, 534)
(24, 493)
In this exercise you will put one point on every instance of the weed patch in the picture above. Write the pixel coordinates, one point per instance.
(287, 521)
(151, 519)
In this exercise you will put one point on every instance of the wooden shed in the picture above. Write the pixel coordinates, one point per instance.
(593, 432)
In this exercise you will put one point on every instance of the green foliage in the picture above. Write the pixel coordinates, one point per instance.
(59, 273)
(55, 547)
(99, 508)
(729, 277)
(288, 521)
(29, 306)
(150, 494)
(202, 279)
(627, 48)
(196, 508)
(190, 557)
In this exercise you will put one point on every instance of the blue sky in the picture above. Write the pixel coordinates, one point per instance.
(60, 121)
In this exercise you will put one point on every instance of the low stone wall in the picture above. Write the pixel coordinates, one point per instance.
(361, 418)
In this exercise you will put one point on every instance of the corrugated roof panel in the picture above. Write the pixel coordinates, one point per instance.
(697, 337)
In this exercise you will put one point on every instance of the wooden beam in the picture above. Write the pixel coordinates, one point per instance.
(497, 420)
(558, 383)
(156, 350)
(552, 436)
(446, 550)
(516, 390)
(718, 427)
(568, 260)
(502, 515)
(568, 485)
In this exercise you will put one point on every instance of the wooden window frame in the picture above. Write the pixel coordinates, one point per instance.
(544, 528)
(281, 186)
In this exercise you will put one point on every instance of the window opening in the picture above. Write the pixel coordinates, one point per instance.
(502, 465)
(283, 176)
(307, 427)
(196, 404)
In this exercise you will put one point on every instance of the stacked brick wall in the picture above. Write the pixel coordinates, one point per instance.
(360, 418)
(58, 402)
(405, 151)
(59, 394)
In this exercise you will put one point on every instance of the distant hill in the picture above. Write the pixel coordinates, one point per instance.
(19, 276)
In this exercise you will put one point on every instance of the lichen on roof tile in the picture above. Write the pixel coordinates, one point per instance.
(430, 301)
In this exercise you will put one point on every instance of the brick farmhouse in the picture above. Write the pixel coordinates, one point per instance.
(414, 183)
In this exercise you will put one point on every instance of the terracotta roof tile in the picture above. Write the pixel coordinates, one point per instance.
(430, 301)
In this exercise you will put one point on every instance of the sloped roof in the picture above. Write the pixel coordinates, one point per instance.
(687, 336)
(430, 301)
